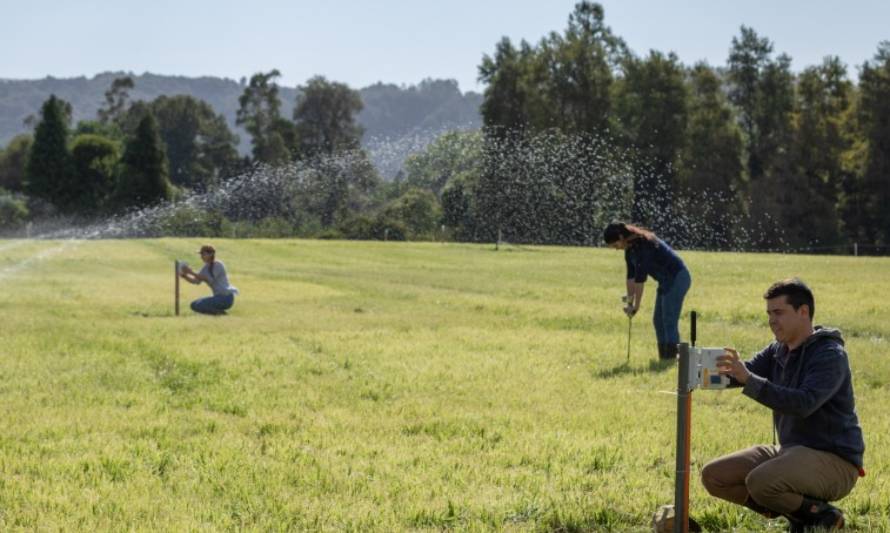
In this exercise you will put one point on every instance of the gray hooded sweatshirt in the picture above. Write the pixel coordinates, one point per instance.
(810, 393)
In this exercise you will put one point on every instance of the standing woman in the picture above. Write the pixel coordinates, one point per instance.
(214, 274)
(647, 255)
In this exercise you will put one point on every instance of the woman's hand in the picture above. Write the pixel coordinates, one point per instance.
(729, 364)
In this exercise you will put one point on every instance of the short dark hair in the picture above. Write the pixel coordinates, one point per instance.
(796, 291)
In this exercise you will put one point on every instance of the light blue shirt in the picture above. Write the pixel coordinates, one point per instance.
(219, 280)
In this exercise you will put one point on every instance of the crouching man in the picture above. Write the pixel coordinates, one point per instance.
(804, 377)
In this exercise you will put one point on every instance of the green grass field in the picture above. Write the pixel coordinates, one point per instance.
(367, 386)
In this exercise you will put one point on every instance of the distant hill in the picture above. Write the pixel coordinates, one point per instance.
(391, 111)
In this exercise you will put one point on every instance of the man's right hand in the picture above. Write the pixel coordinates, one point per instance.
(630, 311)
(730, 364)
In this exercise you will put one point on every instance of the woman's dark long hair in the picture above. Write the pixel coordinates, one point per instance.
(619, 230)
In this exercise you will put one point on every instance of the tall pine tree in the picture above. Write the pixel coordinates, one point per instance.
(710, 170)
(325, 118)
(49, 173)
(823, 98)
(867, 215)
(144, 178)
(651, 111)
(763, 89)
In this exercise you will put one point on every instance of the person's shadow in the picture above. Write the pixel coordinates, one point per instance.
(151, 313)
(654, 366)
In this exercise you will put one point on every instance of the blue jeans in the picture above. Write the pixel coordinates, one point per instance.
(668, 305)
(213, 305)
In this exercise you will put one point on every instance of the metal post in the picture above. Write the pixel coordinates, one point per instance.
(629, 324)
(855, 249)
(684, 431)
(176, 286)
(684, 424)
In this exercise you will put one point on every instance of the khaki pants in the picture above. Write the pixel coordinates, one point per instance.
(778, 478)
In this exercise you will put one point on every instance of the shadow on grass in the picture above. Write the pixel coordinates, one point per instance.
(152, 313)
(656, 366)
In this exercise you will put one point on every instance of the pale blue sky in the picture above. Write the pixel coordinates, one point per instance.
(396, 41)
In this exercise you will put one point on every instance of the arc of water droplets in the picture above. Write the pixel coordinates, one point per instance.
(550, 188)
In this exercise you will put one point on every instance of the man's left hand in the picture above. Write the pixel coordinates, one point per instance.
(729, 364)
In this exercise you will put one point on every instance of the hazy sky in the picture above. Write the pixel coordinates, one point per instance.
(397, 41)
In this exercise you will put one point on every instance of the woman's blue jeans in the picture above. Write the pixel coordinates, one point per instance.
(668, 305)
(213, 305)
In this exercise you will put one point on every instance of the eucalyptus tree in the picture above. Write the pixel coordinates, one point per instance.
(340, 178)
(325, 118)
(116, 98)
(259, 112)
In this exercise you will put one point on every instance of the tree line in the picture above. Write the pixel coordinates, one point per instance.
(578, 129)
(789, 160)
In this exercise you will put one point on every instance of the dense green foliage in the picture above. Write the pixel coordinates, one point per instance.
(95, 161)
(870, 191)
(789, 161)
(49, 173)
(390, 111)
(387, 387)
(13, 161)
(260, 114)
(144, 178)
(200, 147)
(325, 118)
(13, 209)
(578, 129)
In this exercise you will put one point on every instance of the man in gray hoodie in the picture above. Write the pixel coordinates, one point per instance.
(804, 377)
